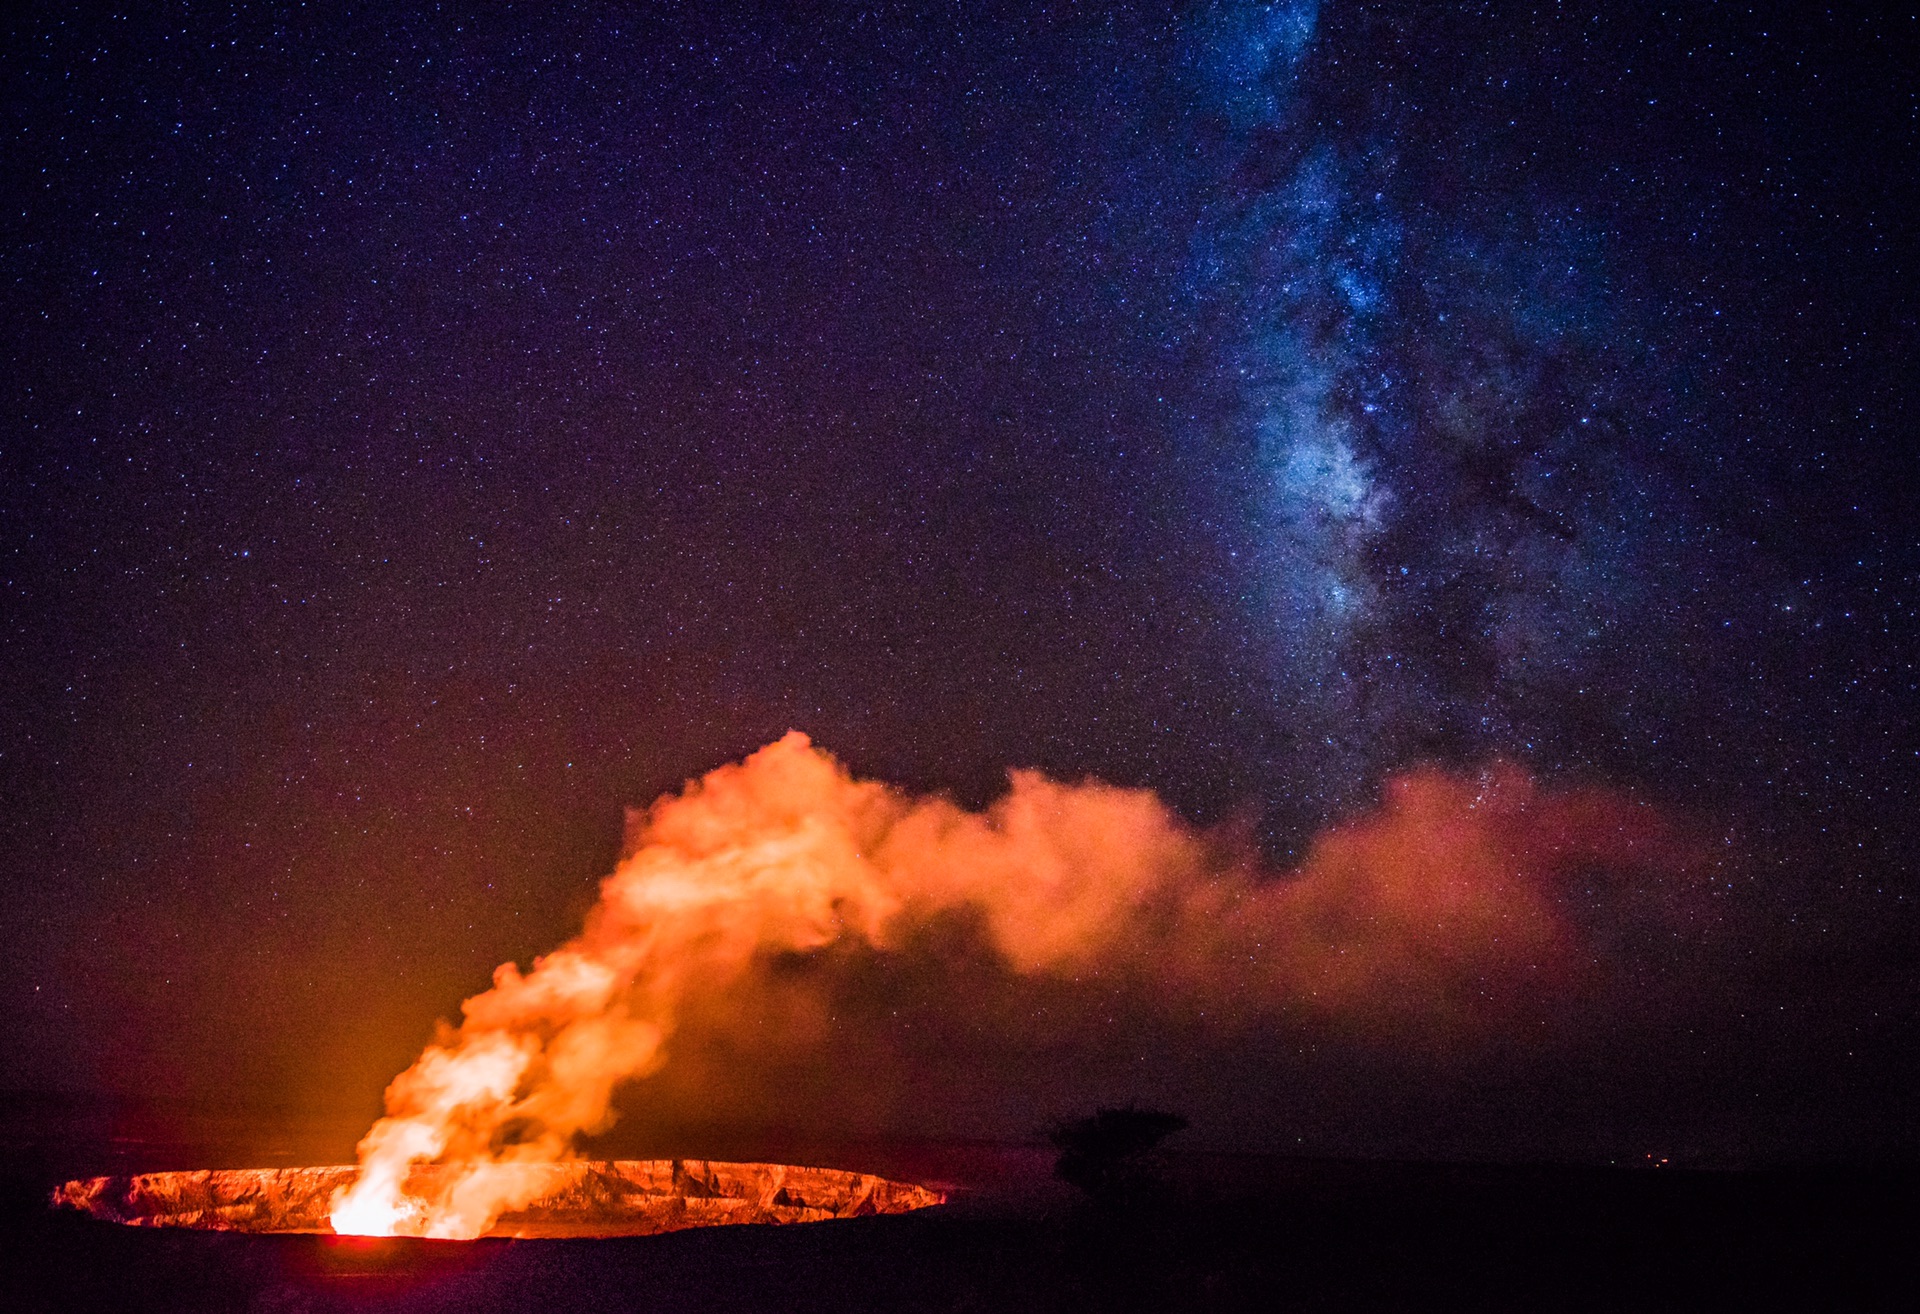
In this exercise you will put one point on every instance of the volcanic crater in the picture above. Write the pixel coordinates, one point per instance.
(630, 1197)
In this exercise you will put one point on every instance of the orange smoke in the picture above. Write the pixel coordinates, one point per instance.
(1443, 897)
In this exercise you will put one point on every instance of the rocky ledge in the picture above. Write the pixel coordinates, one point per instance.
(631, 1197)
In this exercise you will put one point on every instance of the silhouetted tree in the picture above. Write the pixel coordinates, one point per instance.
(1102, 1155)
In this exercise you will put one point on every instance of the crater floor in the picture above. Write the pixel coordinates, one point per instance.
(629, 1197)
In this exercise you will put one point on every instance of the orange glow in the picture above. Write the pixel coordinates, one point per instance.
(1442, 896)
(625, 1198)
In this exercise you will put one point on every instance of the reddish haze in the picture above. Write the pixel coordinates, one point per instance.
(1428, 911)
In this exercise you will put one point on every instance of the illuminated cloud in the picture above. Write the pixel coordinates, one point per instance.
(1427, 914)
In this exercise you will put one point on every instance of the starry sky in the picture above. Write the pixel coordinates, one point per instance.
(423, 434)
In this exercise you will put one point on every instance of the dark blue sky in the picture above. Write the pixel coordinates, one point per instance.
(423, 434)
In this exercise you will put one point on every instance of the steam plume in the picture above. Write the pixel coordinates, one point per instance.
(1444, 894)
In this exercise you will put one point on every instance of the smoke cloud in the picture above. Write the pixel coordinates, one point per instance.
(1436, 911)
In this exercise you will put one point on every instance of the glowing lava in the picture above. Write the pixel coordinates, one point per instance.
(635, 1197)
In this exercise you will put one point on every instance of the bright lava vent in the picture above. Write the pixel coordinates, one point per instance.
(632, 1197)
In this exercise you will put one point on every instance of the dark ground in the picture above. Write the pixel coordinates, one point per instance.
(1225, 1232)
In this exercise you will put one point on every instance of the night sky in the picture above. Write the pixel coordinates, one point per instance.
(422, 435)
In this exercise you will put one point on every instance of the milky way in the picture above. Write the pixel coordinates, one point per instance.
(1440, 423)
